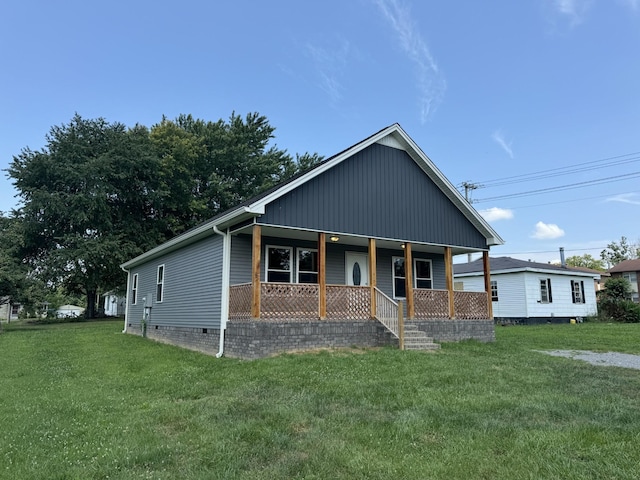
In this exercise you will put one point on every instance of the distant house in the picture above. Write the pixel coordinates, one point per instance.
(69, 311)
(10, 311)
(321, 260)
(629, 269)
(530, 292)
(114, 305)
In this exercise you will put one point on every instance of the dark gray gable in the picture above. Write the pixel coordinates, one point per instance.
(379, 192)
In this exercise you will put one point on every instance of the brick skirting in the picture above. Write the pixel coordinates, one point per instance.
(250, 339)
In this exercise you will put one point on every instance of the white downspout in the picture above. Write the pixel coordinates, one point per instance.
(126, 305)
(226, 271)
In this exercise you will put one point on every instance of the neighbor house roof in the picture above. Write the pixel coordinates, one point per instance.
(392, 135)
(509, 265)
(626, 266)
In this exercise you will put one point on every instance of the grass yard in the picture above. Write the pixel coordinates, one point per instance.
(82, 401)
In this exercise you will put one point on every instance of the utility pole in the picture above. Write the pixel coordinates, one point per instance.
(468, 188)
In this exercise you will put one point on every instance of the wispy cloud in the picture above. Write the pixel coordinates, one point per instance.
(574, 10)
(547, 231)
(330, 64)
(431, 81)
(632, 4)
(494, 214)
(498, 137)
(632, 198)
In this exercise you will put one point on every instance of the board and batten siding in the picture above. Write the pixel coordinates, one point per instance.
(379, 192)
(192, 287)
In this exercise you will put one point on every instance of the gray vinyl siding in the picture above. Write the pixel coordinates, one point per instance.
(336, 256)
(192, 287)
(379, 192)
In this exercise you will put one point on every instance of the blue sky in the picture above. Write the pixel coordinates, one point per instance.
(488, 90)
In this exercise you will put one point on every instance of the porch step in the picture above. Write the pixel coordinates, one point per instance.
(415, 339)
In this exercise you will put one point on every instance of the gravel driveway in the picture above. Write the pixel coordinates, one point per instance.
(609, 359)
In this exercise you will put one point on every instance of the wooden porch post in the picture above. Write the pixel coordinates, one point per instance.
(373, 279)
(487, 282)
(322, 275)
(408, 279)
(448, 273)
(255, 272)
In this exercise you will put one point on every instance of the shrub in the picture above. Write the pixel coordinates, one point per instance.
(620, 310)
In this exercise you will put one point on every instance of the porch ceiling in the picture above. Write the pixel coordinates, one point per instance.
(345, 239)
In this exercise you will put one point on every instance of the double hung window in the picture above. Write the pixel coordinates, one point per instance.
(134, 289)
(545, 290)
(160, 284)
(422, 277)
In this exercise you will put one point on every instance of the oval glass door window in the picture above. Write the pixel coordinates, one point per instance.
(356, 274)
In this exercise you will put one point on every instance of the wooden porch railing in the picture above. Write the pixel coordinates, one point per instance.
(387, 312)
(470, 305)
(301, 301)
(346, 302)
(430, 303)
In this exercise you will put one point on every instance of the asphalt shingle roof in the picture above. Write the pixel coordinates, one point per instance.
(507, 263)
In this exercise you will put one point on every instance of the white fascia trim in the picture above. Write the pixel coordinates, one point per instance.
(544, 271)
(200, 230)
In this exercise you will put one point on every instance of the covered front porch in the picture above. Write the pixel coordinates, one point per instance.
(360, 297)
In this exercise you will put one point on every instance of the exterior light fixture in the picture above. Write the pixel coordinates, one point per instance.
(402, 245)
(334, 238)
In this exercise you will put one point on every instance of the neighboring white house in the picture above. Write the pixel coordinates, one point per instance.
(114, 305)
(67, 311)
(530, 292)
(9, 311)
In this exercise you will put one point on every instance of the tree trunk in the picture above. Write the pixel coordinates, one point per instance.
(90, 312)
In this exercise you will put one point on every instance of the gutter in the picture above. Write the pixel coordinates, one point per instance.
(126, 306)
(226, 271)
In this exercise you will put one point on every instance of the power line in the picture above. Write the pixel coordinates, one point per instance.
(571, 186)
(575, 168)
(568, 201)
(555, 251)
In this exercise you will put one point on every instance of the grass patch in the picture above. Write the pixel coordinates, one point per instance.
(83, 401)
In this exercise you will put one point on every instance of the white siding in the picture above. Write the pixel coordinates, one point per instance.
(511, 293)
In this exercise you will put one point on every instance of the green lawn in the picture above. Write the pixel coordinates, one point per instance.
(84, 401)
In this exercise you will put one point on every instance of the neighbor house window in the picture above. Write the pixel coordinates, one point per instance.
(134, 289)
(160, 283)
(307, 265)
(278, 268)
(545, 290)
(633, 279)
(494, 290)
(577, 292)
(399, 289)
(422, 277)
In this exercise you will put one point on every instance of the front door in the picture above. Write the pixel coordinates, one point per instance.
(357, 269)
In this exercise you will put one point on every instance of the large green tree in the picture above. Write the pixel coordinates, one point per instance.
(586, 261)
(617, 252)
(208, 167)
(13, 272)
(89, 198)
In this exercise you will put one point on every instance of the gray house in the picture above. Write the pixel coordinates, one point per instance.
(322, 260)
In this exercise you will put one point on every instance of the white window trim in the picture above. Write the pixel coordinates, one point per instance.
(160, 283)
(492, 284)
(298, 271)
(415, 272)
(547, 284)
(266, 263)
(134, 289)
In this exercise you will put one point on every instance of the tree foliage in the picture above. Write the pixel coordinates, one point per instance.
(618, 252)
(100, 193)
(13, 272)
(615, 304)
(586, 261)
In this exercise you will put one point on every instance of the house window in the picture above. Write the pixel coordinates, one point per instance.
(423, 273)
(307, 265)
(399, 289)
(422, 277)
(15, 309)
(577, 292)
(545, 290)
(134, 289)
(278, 268)
(494, 290)
(160, 284)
